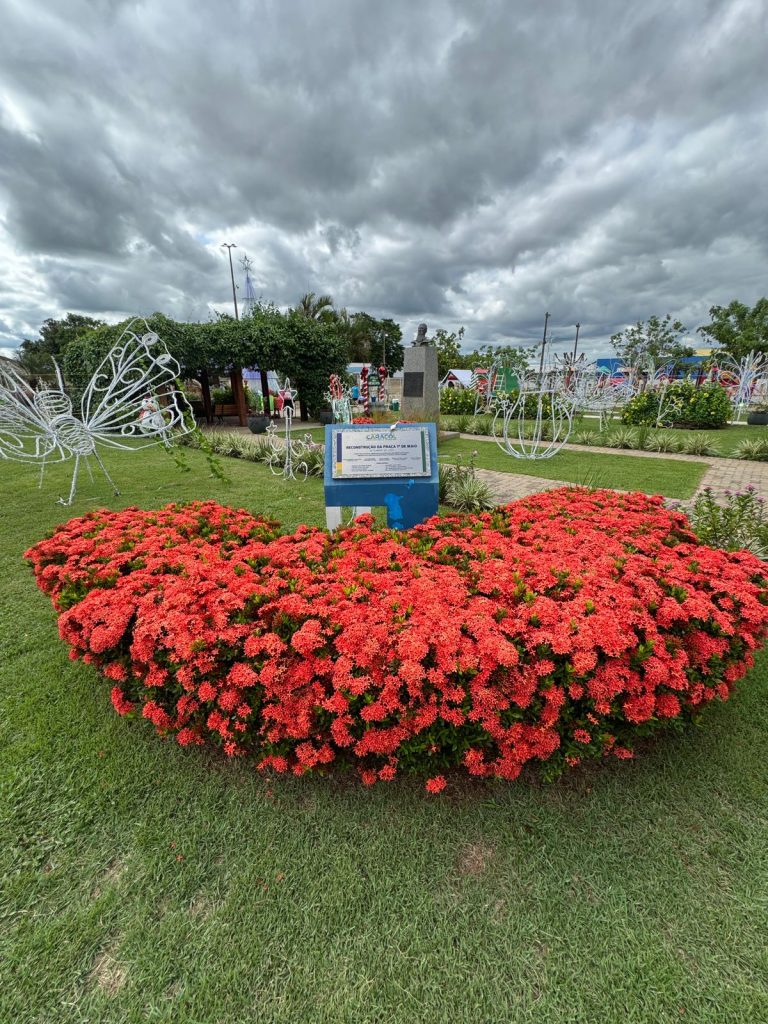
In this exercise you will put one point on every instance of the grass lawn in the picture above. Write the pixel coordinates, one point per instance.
(146, 883)
(726, 439)
(675, 479)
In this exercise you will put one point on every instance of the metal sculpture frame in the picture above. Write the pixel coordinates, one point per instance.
(552, 392)
(131, 402)
(748, 378)
(287, 455)
(340, 399)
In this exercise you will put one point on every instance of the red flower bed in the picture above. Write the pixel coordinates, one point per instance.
(561, 627)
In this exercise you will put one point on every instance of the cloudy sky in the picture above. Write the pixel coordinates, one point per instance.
(474, 162)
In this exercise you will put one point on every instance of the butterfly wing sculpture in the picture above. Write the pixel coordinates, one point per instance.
(131, 402)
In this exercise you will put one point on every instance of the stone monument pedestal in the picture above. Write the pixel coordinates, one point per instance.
(421, 395)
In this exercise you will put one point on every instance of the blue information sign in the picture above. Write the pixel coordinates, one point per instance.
(378, 464)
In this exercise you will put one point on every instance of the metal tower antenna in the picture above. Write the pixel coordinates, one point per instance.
(250, 292)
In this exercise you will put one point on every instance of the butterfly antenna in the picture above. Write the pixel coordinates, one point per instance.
(59, 377)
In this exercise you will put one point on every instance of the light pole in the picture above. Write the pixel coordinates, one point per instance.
(236, 373)
(575, 344)
(229, 246)
(543, 347)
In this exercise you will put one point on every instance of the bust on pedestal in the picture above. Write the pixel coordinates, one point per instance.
(421, 395)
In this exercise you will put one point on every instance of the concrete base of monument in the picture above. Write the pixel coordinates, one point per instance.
(421, 394)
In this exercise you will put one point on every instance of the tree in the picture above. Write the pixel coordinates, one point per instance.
(316, 307)
(449, 354)
(308, 351)
(55, 336)
(514, 358)
(370, 340)
(738, 329)
(387, 348)
(657, 339)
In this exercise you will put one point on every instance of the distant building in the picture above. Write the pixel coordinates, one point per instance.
(688, 366)
(460, 379)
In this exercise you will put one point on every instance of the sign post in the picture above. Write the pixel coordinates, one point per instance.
(394, 466)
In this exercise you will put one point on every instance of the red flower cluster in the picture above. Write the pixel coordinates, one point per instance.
(558, 628)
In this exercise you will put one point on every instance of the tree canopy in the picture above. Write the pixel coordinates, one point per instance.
(738, 329)
(450, 356)
(304, 349)
(656, 339)
(36, 356)
(367, 339)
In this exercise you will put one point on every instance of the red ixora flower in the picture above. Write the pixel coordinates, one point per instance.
(436, 784)
(573, 616)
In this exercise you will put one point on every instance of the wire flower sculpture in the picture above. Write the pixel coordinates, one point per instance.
(537, 421)
(746, 380)
(339, 396)
(130, 403)
(287, 456)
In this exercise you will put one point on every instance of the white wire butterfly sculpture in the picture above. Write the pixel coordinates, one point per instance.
(131, 402)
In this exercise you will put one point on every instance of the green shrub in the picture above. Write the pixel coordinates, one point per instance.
(622, 438)
(481, 426)
(699, 446)
(736, 521)
(224, 396)
(585, 437)
(468, 494)
(456, 401)
(663, 441)
(755, 449)
(314, 459)
(682, 405)
(459, 487)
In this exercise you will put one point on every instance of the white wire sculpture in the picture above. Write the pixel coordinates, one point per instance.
(340, 399)
(287, 456)
(746, 380)
(597, 391)
(537, 422)
(130, 403)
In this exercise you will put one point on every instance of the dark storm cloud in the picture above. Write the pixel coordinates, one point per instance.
(458, 162)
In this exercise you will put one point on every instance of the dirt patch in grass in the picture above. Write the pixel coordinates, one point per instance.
(202, 907)
(474, 859)
(107, 973)
(111, 876)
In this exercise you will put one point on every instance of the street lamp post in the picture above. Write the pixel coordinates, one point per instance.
(229, 246)
(236, 374)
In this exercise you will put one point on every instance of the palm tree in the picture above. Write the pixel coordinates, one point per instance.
(316, 307)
